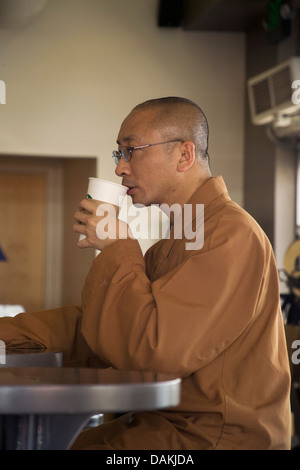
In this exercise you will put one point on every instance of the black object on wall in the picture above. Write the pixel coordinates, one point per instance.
(279, 21)
(170, 13)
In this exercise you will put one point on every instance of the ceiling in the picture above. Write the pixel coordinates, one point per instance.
(216, 15)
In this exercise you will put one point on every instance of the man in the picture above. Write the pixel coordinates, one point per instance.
(210, 315)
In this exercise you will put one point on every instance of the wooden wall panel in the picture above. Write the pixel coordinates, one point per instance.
(22, 239)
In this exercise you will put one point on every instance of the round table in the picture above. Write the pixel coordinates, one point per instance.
(47, 407)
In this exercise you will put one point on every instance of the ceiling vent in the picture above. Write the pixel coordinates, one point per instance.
(272, 94)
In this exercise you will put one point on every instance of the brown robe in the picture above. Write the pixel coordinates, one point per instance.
(210, 316)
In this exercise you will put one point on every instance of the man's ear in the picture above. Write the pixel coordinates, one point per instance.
(187, 157)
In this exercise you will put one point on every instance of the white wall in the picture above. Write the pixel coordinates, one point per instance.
(285, 205)
(285, 188)
(76, 70)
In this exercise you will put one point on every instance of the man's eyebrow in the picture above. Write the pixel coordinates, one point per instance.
(130, 138)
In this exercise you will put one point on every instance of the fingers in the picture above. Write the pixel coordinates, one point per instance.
(87, 208)
(81, 217)
(89, 205)
(84, 243)
(98, 222)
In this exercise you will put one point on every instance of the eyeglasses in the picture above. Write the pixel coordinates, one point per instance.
(126, 152)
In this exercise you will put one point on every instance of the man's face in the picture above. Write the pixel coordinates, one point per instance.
(151, 173)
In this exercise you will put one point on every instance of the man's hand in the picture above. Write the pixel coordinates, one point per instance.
(98, 222)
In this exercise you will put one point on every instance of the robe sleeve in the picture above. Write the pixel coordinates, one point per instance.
(57, 330)
(183, 320)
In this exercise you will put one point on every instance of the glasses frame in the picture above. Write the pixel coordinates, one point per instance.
(118, 154)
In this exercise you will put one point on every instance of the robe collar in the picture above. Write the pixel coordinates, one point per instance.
(207, 194)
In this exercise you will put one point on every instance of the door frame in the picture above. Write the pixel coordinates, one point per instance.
(53, 173)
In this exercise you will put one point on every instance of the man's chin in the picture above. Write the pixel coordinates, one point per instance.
(139, 203)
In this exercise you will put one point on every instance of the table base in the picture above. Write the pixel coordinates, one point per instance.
(40, 432)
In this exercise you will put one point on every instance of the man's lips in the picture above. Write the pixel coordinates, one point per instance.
(131, 189)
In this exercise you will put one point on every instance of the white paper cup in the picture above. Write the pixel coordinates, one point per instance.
(105, 191)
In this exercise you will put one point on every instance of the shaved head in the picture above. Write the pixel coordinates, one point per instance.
(180, 118)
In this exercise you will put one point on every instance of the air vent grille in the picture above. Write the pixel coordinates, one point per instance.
(270, 93)
(281, 86)
(261, 96)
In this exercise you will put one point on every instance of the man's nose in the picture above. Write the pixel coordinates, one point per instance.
(123, 168)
